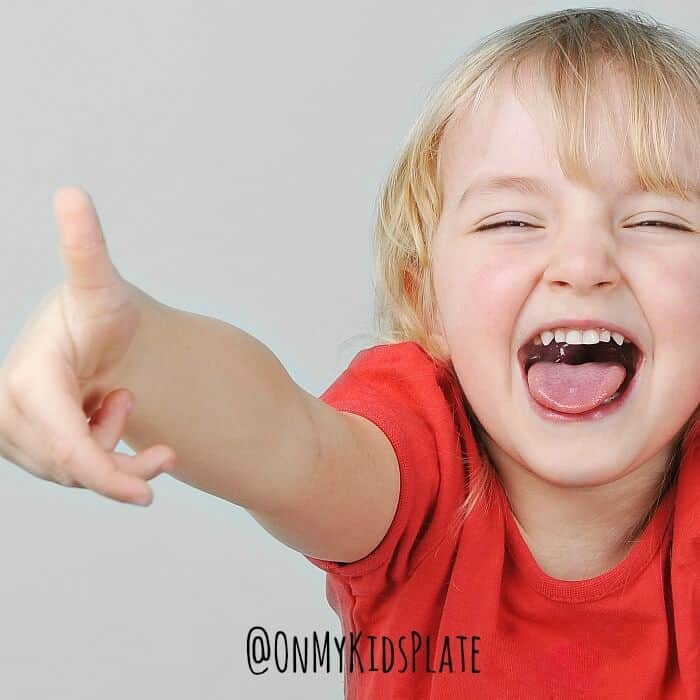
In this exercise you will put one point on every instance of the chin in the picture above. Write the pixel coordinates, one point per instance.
(576, 472)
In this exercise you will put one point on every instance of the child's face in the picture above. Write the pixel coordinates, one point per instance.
(583, 259)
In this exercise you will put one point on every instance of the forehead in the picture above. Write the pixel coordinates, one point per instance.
(513, 130)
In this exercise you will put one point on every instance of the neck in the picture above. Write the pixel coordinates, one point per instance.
(578, 532)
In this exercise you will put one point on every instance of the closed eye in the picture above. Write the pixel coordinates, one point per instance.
(523, 224)
(508, 223)
(663, 224)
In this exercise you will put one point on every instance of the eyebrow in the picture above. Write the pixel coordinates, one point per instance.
(499, 183)
(535, 185)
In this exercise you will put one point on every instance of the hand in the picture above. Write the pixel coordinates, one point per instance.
(55, 420)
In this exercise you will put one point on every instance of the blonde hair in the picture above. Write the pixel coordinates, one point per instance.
(572, 51)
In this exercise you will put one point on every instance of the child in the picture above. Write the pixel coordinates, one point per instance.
(505, 494)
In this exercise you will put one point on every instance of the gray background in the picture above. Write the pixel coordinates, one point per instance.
(234, 152)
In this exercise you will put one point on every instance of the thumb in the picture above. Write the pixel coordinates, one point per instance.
(82, 245)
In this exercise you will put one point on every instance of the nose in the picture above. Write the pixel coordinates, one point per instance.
(582, 258)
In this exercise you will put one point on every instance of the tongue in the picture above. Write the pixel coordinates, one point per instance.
(574, 388)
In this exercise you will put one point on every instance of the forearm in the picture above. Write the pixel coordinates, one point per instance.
(240, 426)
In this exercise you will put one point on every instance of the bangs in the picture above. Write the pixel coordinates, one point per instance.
(646, 80)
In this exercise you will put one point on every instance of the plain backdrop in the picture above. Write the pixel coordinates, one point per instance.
(234, 152)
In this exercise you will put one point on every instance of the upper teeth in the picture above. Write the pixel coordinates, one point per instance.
(579, 337)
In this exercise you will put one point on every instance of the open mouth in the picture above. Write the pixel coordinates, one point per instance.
(628, 355)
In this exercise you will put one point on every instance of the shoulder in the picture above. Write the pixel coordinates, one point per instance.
(407, 395)
(404, 369)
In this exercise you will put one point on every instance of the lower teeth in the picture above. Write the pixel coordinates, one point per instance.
(612, 398)
(623, 387)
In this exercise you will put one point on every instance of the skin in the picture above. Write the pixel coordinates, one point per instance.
(577, 488)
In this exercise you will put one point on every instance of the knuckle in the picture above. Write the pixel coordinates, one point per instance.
(15, 385)
(10, 436)
(8, 447)
(61, 477)
(7, 451)
(6, 427)
(61, 453)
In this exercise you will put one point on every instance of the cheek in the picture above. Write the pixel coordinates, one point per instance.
(481, 295)
(672, 299)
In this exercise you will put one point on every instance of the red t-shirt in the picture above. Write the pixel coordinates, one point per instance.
(466, 610)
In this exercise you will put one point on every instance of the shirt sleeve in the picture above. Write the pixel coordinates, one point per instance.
(399, 388)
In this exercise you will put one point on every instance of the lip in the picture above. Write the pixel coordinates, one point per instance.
(595, 413)
(584, 323)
